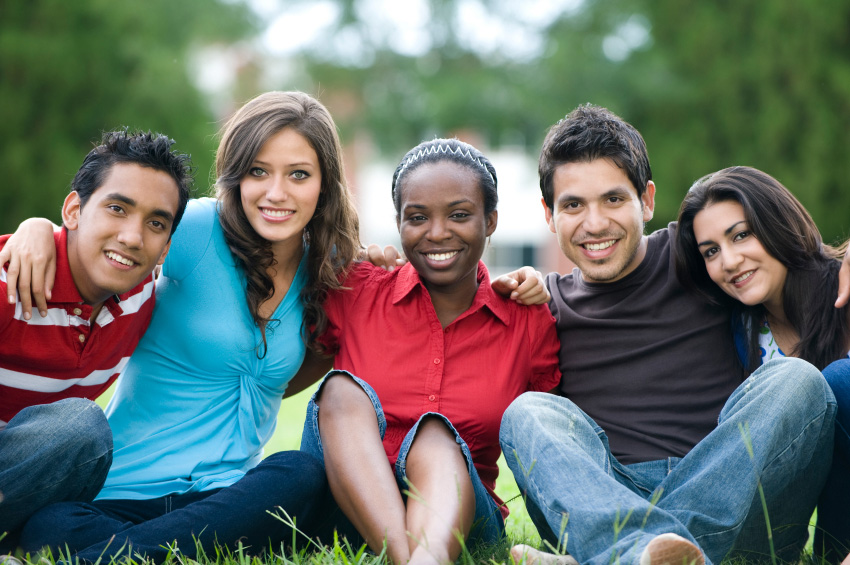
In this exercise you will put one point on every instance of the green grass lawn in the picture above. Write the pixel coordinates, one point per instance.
(287, 436)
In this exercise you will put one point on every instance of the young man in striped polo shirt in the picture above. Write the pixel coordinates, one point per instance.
(55, 444)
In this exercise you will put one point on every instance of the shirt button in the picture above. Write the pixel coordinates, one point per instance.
(432, 398)
(82, 338)
(77, 311)
(436, 361)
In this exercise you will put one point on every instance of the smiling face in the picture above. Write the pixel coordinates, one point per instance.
(735, 259)
(443, 225)
(281, 190)
(122, 232)
(598, 218)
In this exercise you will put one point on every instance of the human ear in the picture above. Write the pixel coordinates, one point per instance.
(71, 211)
(648, 201)
(492, 220)
(550, 220)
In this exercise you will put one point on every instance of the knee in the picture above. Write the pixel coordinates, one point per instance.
(794, 393)
(837, 375)
(434, 436)
(290, 467)
(85, 428)
(532, 410)
(518, 410)
(72, 430)
(340, 393)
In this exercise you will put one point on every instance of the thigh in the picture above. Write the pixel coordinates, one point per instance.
(488, 526)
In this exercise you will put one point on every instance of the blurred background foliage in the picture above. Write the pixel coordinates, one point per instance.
(709, 84)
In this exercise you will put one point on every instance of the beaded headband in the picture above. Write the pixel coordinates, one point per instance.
(445, 149)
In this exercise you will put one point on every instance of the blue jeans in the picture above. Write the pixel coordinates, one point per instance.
(51, 453)
(290, 480)
(580, 496)
(832, 537)
(488, 526)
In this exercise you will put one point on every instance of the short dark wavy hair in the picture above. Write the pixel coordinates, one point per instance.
(588, 133)
(151, 150)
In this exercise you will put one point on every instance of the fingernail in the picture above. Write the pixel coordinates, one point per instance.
(391, 268)
(26, 315)
(43, 313)
(11, 300)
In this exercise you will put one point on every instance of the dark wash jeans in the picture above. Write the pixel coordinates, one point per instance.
(290, 480)
(832, 536)
(51, 453)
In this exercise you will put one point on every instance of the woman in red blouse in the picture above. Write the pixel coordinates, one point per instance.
(437, 356)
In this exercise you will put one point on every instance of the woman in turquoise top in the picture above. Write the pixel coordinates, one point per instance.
(238, 306)
(746, 243)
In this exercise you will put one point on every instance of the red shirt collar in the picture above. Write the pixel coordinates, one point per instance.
(408, 279)
(64, 289)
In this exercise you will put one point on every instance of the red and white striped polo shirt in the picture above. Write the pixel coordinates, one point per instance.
(66, 354)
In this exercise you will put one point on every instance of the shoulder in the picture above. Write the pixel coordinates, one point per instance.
(192, 237)
(198, 220)
(362, 278)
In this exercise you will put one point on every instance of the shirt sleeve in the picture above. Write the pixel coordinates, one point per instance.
(545, 347)
(190, 239)
(7, 311)
(337, 303)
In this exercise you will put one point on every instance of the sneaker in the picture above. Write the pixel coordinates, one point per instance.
(536, 557)
(671, 549)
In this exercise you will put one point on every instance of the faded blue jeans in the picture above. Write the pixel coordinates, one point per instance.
(51, 453)
(580, 496)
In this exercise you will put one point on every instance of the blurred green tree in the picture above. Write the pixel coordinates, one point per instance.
(709, 85)
(69, 70)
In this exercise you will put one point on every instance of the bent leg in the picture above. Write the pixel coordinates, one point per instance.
(52, 453)
(775, 431)
(238, 514)
(832, 536)
(359, 474)
(577, 494)
(69, 527)
(441, 499)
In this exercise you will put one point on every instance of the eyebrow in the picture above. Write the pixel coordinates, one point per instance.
(616, 191)
(451, 204)
(727, 231)
(299, 164)
(130, 202)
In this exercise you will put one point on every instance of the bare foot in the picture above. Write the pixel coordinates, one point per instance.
(671, 549)
(536, 557)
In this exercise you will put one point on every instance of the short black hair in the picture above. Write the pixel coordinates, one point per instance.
(588, 133)
(152, 150)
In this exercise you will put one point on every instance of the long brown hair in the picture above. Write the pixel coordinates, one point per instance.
(331, 237)
(788, 233)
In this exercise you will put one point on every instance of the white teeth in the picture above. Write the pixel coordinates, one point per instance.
(599, 246)
(119, 259)
(441, 256)
(743, 277)
(277, 213)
